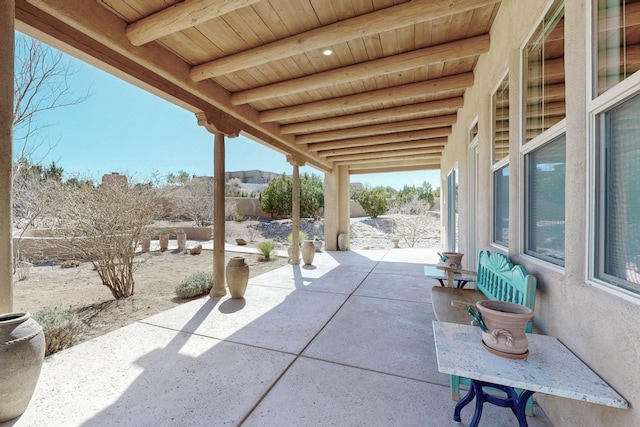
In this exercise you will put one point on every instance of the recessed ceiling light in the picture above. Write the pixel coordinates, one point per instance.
(327, 52)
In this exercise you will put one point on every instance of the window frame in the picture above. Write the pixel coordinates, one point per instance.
(623, 91)
(550, 135)
(596, 105)
(526, 147)
(496, 166)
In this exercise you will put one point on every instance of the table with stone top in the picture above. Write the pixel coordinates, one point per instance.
(550, 368)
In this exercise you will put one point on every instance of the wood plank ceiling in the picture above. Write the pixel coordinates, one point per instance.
(385, 99)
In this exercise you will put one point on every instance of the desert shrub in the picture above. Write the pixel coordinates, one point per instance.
(195, 285)
(373, 201)
(266, 248)
(61, 328)
(277, 197)
(302, 236)
(104, 225)
(239, 218)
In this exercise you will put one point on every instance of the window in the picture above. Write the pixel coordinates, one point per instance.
(618, 42)
(544, 201)
(452, 212)
(501, 206)
(544, 74)
(501, 121)
(617, 222)
(500, 101)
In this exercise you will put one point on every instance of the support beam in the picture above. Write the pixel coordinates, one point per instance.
(419, 158)
(432, 143)
(436, 108)
(179, 17)
(400, 16)
(218, 289)
(336, 207)
(381, 129)
(89, 31)
(295, 210)
(437, 152)
(382, 139)
(7, 53)
(392, 64)
(343, 104)
(390, 168)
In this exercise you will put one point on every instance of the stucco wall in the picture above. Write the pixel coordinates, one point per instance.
(600, 327)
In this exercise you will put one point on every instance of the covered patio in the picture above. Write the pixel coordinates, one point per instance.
(345, 342)
(528, 109)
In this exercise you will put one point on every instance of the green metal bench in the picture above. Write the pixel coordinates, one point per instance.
(497, 279)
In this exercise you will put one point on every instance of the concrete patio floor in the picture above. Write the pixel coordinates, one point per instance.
(345, 342)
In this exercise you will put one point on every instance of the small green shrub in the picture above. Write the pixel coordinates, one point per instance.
(266, 248)
(61, 328)
(239, 218)
(302, 236)
(195, 285)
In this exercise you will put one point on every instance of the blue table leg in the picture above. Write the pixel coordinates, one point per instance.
(516, 402)
(463, 402)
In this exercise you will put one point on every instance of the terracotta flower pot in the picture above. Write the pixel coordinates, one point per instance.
(22, 347)
(506, 323)
(237, 276)
(454, 259)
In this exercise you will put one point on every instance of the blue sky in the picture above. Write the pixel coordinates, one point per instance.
(121, 128)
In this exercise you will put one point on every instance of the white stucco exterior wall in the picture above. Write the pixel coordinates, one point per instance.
(599, 326)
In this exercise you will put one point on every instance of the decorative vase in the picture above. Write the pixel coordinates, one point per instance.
(308, 250)
(22, 347)
(237, 276)
(506, 323)
(164, 242)
(181, 238)
(145, 245)
(343, 242)
(395, 241)
(453, 259)
(317, 245)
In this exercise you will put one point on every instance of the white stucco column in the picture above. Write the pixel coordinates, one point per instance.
(7, 52)
(295, 210)
(337, 212)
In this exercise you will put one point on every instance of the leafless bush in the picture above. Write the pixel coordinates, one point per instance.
(195, 201)
(411, 221)
(104, 226)
(253, 232)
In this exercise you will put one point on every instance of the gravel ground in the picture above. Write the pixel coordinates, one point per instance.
(367, 233)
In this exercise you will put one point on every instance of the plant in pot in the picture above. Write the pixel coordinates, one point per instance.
(302, 236)
(317, 243)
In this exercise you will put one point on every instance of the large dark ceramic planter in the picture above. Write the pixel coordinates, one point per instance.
(22, 346)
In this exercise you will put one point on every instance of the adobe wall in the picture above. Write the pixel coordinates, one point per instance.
(599, 326)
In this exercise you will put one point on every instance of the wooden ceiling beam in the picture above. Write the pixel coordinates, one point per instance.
(421, 158)
(370, 69)
(180, 16)
(382, 139)
(426, 87)
(381, 129)
(431, 143)
(399, 16)
(88, 31)
(387, 154)
(439, 108)
(386, 168)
